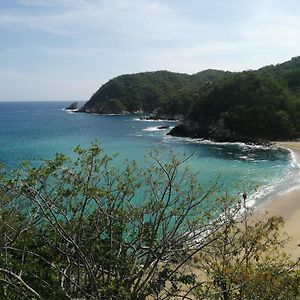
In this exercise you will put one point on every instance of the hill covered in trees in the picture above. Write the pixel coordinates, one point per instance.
(150, 91)
(223, 106)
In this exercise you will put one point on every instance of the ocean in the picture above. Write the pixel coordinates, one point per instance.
(32, 131)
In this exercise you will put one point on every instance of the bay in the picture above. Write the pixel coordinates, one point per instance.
(33, 131)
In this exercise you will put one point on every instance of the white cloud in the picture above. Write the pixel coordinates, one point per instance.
(73, 52)
(92, 19)
(101, 38)
(273, 23)
(52, 3)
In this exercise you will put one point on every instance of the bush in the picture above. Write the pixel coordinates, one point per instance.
(85, 229)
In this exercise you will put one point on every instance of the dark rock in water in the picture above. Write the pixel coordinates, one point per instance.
(182, 130)
(168, 117)
(72, 106)
(163, 127)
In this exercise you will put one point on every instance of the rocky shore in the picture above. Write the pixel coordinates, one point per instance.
(215, 132)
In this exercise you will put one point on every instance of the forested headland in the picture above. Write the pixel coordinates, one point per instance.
(223, 106)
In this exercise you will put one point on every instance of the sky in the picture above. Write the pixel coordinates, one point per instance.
(66, 49)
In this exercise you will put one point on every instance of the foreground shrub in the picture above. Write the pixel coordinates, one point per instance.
(85, 229)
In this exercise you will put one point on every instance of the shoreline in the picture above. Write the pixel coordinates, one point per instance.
(287, 205)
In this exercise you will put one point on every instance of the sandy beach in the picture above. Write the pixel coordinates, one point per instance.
(288, 206)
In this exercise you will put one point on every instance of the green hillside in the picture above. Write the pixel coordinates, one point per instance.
(149, 91)
(289, 72)
(219, 105)
(247, 106)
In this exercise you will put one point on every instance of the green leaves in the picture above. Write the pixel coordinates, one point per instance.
(82, 228)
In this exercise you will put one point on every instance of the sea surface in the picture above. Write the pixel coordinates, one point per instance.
(32, 131)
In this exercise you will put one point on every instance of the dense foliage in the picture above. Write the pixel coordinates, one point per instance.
(288, 72)
(150, 90)
(262, 104)
(83, 229)
(250, 104)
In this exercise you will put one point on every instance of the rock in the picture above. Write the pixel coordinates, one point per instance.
(72, 106)
(214, 133)
(163, 127)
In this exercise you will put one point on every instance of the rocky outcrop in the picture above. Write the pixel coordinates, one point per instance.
(112, 106)
(213, 132)
(160, 114)
(73, 106)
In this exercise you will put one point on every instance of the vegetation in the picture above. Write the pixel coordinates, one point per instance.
(83, 229)
(251, 105)
(245, 261)
(289, 72)
(150, 90)
(224, 106)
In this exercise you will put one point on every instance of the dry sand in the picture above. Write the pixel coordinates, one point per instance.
(288, 206)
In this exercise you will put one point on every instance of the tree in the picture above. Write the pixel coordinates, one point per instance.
(85, 229)
(247, 261)
(102, 232)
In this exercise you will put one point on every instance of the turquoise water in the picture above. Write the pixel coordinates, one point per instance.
(37, 130)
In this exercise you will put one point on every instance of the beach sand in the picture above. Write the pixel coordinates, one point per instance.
(288, 206)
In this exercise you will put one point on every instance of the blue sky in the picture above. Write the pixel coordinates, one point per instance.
(66, 49)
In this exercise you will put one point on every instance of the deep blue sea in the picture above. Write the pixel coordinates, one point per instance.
(33, 131)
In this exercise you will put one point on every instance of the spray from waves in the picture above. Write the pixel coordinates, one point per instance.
(294, 161)
(200, 141)
(280, 186)
(151, 128)
(70, 111)
(156, 128)
(154, 120)
(170, 138)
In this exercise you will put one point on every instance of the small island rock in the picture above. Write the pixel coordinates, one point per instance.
(73, 106)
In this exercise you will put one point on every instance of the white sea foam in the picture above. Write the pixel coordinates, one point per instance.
(156, 128)
(152, 128)
(112, 114)
(280, 186)
(242, 145)
(71, 111)
(294, 161)
(152, 120)
(245, 157)
(209, 142)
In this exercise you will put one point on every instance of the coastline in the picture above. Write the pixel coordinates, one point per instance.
(288, 206)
